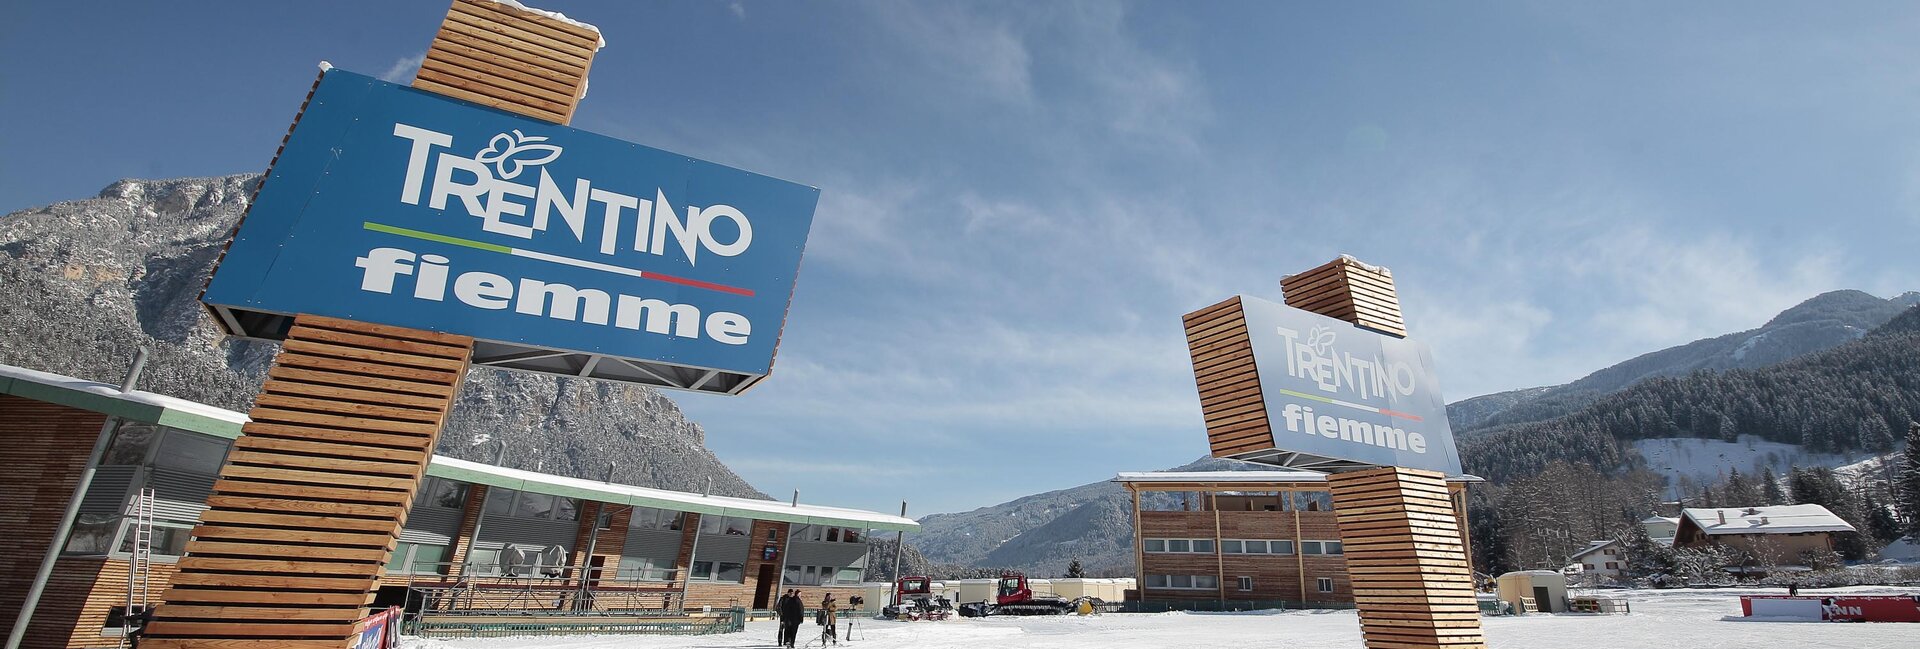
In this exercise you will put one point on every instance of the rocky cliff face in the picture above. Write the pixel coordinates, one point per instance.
(85, 283)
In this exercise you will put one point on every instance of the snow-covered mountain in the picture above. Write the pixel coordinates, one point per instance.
(84, 283)
(1822, 322)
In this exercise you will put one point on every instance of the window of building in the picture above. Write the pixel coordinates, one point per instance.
(417, 559)
(1203, 545)
(1586, 566)
(183, 451)
(701, 571)
(730, 572)
(1156, 545)
(1184, 582)
(645, 569)
(727, 525)
(1320, 547)
(1613, 565)
(1280, 547)
(1256, 547)
(1325, 584)
(1246, 583)
(849, 576)
(649, 518)
(852, 535)
(1313, 501)
(526, 504)
(1231, 547)
(146, 456)
(1179, 545)
(442, 493)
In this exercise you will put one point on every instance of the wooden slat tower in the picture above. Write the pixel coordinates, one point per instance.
(1405, 558)
(1230, 397)
(314, 494)
(1348, 290)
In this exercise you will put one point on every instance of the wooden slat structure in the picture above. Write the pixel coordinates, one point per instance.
(314, 494)
(1411, 579)
(1349, 290)
(1406, 562)
(494, 55)
(1223, 367)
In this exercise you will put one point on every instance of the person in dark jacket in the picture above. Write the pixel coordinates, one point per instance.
(792, 611)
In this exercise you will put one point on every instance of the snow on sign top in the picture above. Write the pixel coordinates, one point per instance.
(1780, 519)
(556, 16)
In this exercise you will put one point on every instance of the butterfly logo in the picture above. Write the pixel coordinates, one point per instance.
(1321, 340)
(513, 152)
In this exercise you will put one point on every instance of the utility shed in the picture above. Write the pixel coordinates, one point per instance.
(1547, 589)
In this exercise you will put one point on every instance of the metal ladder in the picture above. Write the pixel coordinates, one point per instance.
(139, 560)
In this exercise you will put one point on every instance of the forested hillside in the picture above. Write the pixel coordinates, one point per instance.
(1558, 484)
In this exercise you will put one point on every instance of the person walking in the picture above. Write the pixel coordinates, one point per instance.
(792, 612)
(830, 611)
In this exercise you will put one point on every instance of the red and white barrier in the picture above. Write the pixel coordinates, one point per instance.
(1834, 608)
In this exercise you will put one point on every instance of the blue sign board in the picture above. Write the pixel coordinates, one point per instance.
(397, 206)
(1335, 391)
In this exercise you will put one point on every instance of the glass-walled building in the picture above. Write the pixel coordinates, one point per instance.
(470, 525)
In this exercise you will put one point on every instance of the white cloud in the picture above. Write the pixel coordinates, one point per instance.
(738, 10)
(403, 68)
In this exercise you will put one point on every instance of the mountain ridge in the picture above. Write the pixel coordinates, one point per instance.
(1818, 323)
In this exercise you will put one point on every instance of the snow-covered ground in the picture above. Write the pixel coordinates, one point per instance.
(1709, 460)
(1681, 618)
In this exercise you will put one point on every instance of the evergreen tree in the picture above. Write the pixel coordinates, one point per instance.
(1074, 571)
(1770, 488)
(1907, 482)
(1738, 492)
(1882, 525)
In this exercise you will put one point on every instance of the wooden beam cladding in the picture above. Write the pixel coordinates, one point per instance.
(520, 62)
(300, 523)
(1229, 383)
(1349, 290)
(1405, 558)
(313, 496)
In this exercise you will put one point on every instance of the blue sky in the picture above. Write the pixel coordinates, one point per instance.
(1020, 199)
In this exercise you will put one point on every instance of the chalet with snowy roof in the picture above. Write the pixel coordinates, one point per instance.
(1776, 534)
(1661, 528)
(1601, 560)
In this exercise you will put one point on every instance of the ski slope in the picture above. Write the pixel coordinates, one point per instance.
(1694, 619)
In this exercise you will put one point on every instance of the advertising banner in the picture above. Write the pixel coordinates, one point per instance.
(396, 206)
(1334, 390)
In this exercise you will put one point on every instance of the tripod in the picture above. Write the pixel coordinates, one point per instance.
(827, 635)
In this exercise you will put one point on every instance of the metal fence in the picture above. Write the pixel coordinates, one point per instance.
(1225, 606)
(731, 620)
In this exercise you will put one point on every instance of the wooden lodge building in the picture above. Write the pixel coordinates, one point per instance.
(521, 531)
(1260, 537)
